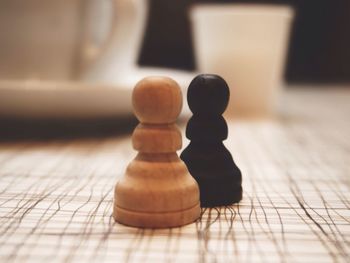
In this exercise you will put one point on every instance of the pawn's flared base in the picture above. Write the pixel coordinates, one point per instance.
(219, 193)
(156, 219)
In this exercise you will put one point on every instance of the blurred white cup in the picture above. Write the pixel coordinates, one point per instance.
(246, 45)
(53, 40)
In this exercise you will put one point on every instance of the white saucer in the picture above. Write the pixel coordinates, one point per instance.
(59, 100)
(41, 99)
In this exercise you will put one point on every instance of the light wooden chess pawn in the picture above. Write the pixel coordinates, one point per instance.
(157, 190)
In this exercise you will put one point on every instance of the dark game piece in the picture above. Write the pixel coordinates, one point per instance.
(206, 157)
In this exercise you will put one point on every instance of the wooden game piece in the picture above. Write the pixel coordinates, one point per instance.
(206, 157)
(157, 190)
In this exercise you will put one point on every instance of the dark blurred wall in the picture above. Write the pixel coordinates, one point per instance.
(320, 42)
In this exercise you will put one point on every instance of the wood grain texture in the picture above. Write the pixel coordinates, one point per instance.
(157, 190)
(157, 100)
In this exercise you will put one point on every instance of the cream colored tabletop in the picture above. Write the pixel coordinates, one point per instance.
(56, 196)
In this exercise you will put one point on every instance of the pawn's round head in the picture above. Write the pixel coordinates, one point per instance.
(208, 94)
(157, 100)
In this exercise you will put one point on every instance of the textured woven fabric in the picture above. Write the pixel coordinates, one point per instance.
(56, 197)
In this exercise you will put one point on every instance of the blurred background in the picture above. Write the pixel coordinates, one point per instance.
(319, 41)
(69, 67)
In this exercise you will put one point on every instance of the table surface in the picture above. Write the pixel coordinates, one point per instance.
(56, 196)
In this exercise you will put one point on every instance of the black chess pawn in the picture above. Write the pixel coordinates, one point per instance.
(206, 157)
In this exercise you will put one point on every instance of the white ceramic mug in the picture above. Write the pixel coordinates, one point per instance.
(53, 40)
(246, 45)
